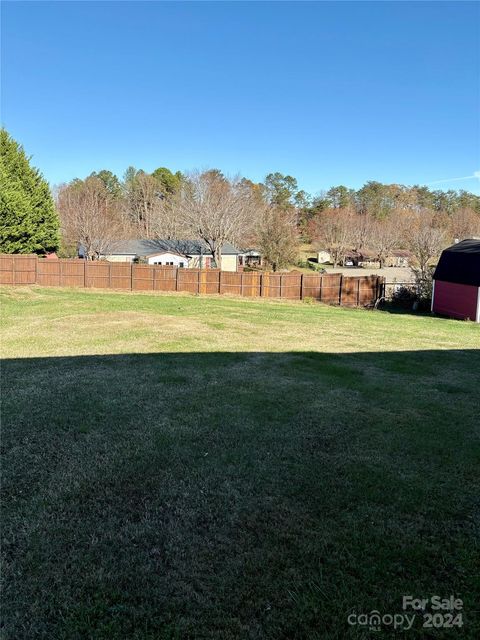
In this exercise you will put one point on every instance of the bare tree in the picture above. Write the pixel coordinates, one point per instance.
(142, 201)
(87, 216)
(277, 236)
(425, 238)
(464, 223)
(334, 232)
(211, 208)
(384, 236)
(362, 226)
(166, 220)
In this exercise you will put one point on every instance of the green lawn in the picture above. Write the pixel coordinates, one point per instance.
(217, 468)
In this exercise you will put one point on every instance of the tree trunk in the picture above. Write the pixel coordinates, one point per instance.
(217, 256)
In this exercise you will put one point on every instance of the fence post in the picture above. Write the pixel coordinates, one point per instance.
(84, 272)
(154, 274)
(358, 291)
(199, 272)
(13, 271)
(381, 287)
(176, 278)
(36, 269)
(109, 275)
(241, 283)
(281, 281)
(261, 284)
(220, 281)
(321, 288)
(340, 290)
(131, 276)
(301, 287)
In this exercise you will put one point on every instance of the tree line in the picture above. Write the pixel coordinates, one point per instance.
(273, 216)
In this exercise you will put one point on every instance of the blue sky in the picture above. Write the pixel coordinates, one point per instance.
(332, 93)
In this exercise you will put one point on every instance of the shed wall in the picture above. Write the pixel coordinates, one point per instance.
(455, 300)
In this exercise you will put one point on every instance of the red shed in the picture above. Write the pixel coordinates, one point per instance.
(456, 281)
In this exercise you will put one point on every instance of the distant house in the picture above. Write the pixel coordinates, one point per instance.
(174, 253)
(399, 258)
(252, 258)
(363, 258)
(396, 258)
(367, 258)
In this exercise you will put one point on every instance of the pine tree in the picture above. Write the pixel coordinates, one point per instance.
(28, 220)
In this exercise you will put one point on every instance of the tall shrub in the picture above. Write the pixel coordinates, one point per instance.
(28, 219)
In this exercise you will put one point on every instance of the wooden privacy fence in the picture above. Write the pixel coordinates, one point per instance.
(332, 288)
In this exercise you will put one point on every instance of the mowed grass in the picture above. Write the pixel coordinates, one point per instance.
(205, 467)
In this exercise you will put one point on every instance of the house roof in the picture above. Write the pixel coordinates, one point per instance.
(251, 252)
(368, 253)
(401, 253)
(153, 247)
(460, 263)
(364, 253)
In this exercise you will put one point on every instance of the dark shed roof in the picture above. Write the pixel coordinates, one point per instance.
(460, 263)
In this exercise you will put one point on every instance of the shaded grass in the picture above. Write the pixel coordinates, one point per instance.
(261, 492)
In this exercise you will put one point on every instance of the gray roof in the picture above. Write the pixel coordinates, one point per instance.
(151, 247)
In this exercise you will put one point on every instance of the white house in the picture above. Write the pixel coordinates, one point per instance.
(175, 253)
(169, 259)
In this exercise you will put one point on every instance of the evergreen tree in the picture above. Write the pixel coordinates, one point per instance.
(28, 220)
(110, 180)
(169, 182)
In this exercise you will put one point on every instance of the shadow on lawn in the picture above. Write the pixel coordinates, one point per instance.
(233, 495)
